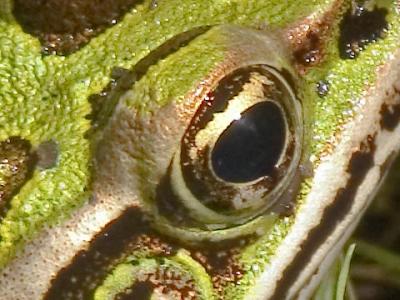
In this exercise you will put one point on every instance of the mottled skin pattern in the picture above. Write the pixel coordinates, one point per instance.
(90, 131)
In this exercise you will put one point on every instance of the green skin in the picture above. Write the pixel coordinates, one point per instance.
(45, 98)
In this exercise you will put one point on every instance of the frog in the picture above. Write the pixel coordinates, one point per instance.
(190, 149)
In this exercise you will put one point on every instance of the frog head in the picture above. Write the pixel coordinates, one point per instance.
(189, 149)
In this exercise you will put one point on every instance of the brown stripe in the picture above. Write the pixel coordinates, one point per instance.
(88, 268)
(360, 163)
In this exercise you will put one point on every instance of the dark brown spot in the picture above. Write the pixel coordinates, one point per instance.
(310, 52)
(63, 26)
(360, 163)
(360, 28)
(16, 168)
(390, 116)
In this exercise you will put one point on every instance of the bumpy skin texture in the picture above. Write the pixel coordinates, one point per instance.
(46, 98)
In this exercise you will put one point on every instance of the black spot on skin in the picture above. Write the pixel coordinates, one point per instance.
(322, 88)
(63, 26)
(390, 116)
(360, 28)
(16, 168)
(47, 155)
(360, 163)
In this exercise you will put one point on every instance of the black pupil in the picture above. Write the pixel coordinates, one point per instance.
(251, 146)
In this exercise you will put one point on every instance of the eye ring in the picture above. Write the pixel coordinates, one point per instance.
(193, 177)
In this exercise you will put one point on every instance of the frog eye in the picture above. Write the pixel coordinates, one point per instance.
(209, 136)
(241, 147)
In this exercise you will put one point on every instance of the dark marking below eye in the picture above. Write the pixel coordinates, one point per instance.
(251, 146)
(89, 268)
(63, 26)
(132, 232)
(47, 154)
(16, 168)
(360, 163)
(360, 28)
